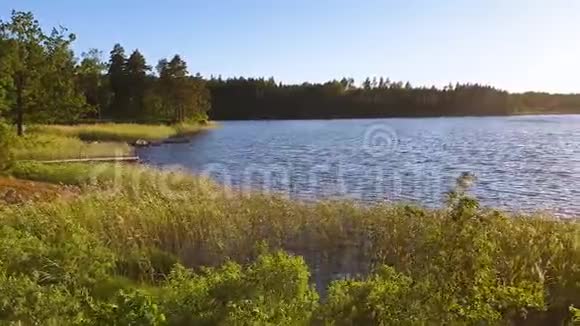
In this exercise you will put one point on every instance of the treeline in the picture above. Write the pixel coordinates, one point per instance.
(240, 98)
(41, 81)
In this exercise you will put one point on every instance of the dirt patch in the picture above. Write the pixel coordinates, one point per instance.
(15, 191)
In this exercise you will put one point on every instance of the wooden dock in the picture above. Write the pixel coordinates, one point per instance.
(125, 159)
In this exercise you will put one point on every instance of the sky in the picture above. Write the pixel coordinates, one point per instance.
(517, 45)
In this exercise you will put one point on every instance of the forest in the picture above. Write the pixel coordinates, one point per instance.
(240, 98)
(42, 80)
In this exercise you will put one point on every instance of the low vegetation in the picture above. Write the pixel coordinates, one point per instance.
(38, 146)
(6, 141)
(119, 132)
(143, 246)
(56, 142)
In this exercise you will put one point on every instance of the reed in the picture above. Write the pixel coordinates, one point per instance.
(460, 264)
(120, 132)
(35, 146)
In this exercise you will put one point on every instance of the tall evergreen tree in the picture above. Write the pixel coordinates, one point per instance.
(184, 96)
(118, 83)
(136, 73)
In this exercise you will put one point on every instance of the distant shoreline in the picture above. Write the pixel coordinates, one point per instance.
(522, 114)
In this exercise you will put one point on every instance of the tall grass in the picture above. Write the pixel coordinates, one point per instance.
(124, 132)
(35, 146)
(456, 265)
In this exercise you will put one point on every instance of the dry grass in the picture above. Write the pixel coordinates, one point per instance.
(34, 146)
(120, 132)
(139, 213)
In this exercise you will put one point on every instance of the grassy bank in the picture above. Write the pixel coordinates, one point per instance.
(36, 146)
(54, 142)
(118, 250)
(121, 132)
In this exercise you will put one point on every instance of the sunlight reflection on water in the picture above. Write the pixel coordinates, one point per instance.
(525, 163)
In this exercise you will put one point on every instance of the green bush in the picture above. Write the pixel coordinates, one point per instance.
(461, 264)
(134, 307)
(27, 301)
(274, 290)
(6, 140)
(385, 298)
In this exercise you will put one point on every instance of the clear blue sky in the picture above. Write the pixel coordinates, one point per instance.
(513, 44)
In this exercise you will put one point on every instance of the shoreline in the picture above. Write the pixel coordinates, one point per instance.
(405, 117)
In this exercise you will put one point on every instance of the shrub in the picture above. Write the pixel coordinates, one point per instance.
(132, 307)
(461, 264)
(274, 290)
(385, 298)
(25, 301)
(6, 140)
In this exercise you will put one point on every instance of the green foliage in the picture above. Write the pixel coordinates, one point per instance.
(6, 144)
(44, 146)
(117, 78)
(92, 84)
(458, 265)
(259, 98)
(385, 298)
(82, 174)
(575, 315)
(40, 72)
(136, 78)
(272, 291)
(181, 97)
(130, 308)
(48, 265)
(25, 301)
(71, 174)
(174, 96)
(120, 132)
(41, 82)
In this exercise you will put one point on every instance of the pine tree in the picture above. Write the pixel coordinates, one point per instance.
(118, 83)
(184, 97)
(136, 73)
(367, 84)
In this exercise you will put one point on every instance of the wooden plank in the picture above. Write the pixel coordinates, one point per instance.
(94, 159)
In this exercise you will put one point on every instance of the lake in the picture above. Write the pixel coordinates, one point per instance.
(522, 163)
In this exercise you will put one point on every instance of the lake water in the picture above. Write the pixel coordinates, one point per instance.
(526, 163)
